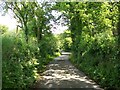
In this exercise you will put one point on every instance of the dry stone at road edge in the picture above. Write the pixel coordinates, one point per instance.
(61, 73)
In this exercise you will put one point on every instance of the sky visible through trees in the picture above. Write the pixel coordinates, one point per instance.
(8, 20)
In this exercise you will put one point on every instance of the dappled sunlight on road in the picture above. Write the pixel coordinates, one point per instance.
(61, 73)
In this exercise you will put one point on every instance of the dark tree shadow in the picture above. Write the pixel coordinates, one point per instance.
(60, 73)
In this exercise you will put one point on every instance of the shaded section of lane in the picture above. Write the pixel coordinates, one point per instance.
(61, 73)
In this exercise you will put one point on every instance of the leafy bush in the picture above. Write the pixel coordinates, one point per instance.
(64, 41)
(97, 57)
(47, 48)
(21, 61)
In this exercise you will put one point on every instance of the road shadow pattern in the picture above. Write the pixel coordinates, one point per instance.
(60, 73)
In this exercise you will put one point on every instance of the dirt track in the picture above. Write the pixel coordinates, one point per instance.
(61, 73)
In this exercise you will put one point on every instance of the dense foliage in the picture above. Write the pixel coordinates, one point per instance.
(22, 61)
(19, 62)
(95, 39)
(64, 41)
(26, 51)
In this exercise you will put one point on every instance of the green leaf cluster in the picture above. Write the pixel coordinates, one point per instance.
(21, 61)
(95, 39)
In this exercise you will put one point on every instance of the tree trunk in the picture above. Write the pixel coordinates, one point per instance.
(39, 35)
(26, 32)
(118, 29)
